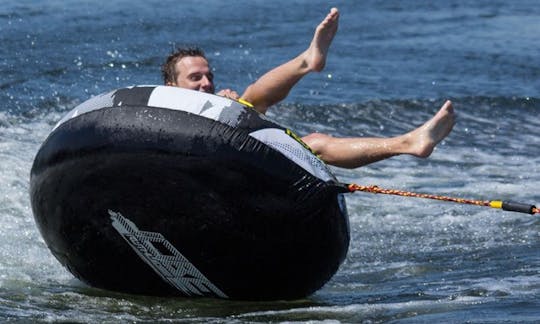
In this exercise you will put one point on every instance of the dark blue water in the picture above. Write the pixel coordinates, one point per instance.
(392, 64)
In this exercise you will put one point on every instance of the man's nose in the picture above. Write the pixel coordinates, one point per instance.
(206, 84)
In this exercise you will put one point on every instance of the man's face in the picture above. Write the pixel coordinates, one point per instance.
(193, 72)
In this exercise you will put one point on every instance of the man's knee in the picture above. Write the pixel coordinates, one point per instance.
(317, 141)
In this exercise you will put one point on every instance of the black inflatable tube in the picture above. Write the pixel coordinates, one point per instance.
(156, 201)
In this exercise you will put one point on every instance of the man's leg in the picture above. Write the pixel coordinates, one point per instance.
(356, 152)
(275, 85)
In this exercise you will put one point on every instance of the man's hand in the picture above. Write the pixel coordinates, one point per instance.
(228, 93)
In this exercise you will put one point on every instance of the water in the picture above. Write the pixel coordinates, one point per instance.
(391, 66)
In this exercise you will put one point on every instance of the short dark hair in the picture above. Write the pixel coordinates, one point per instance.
(168, 69)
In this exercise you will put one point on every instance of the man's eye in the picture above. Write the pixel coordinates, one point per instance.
(196, 77)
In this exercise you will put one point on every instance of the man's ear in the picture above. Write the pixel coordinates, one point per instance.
(171, 84)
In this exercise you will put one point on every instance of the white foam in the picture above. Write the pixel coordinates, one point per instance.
(26, 261)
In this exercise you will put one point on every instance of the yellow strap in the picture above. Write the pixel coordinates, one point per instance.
(245, 103)
(299, 140)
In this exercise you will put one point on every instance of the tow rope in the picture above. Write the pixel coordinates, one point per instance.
(499, 204)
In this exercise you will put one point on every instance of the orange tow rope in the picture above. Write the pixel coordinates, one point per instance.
(504, 205)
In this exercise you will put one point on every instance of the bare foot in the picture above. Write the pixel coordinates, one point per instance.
(424, 139)
(315, 55)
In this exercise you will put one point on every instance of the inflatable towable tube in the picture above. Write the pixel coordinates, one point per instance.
(166, 191)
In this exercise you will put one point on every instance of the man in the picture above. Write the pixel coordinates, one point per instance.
(189, 68)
